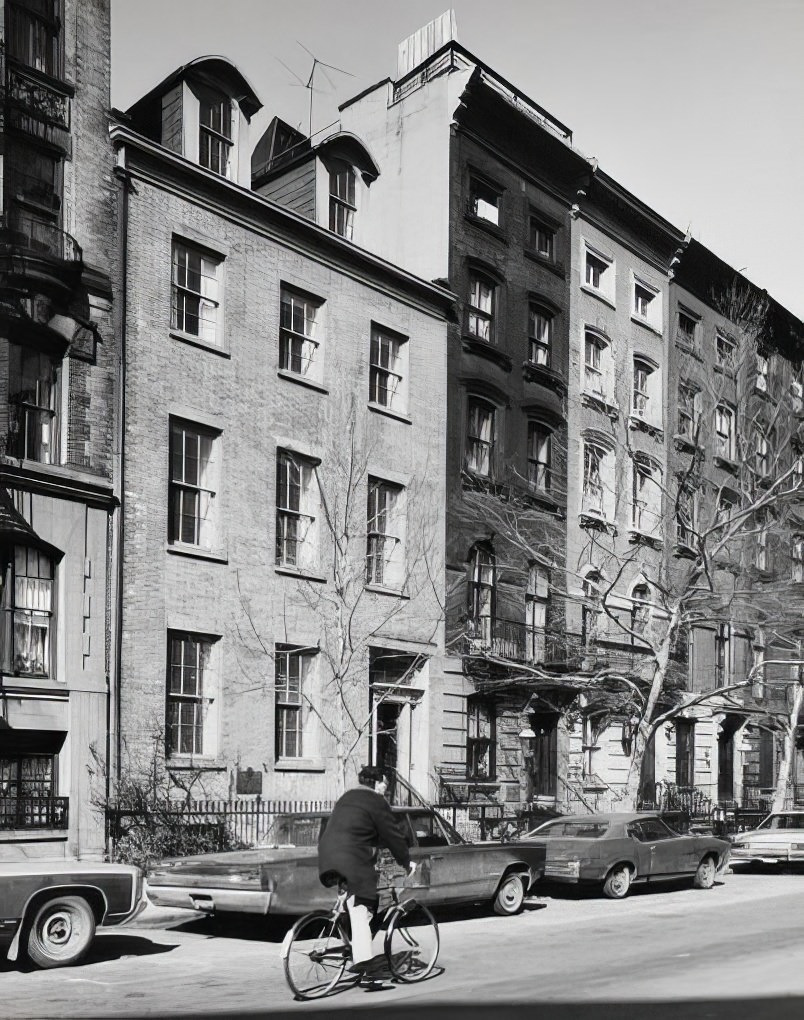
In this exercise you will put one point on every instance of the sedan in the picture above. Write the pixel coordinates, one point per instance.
(624, 849)
(282, 878)
(778, 839)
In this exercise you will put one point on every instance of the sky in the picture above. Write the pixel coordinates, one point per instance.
(695, 106)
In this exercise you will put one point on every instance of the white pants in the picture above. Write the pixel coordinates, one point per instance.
(360, 918)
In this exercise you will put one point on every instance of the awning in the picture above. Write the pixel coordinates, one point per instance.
(15, 741)
(15, 530)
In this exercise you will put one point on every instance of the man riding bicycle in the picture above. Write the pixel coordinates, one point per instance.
(361, 822)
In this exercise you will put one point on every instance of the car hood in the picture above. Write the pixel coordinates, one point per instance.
(770, 837)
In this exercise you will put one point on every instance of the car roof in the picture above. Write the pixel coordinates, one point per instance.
(325, 814)
(608, 816)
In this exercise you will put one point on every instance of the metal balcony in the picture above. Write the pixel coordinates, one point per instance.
(37, 108)
(24, 233)
(34, 812)
(518, 642)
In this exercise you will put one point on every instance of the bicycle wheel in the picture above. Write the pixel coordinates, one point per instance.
(411, 943)
(315, 953)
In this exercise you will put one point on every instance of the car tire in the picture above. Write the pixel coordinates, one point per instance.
(618, 882)
(705, 875)
(61, 932)
(509, 896)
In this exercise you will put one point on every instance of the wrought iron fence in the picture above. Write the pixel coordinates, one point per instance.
(34, 812)
(22, 229)
(519, 642)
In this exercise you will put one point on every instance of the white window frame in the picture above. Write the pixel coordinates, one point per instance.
(480, 436)
(481, 307)
(646, 303)
(646, 497)
(762, 452)
(761, 552)
(689, 411)
(540, 456)
(388, 369)
(385, 539)
(686, 505)
(599, 273)
(342, 199)
(197, 445)
(641, 610)
(797, 556)
(597, 473)
(220, 144)
(482, 598)
(541, 239)
(688, 338)
(763, 373)
(300, 333)
(198, 689)
(294, 682)
(485, 200)
(297, 509)
(537, 601)
(540, 334)
(725, 431)
(36, 386)
(597, 378)
(725, 351)
(205, 293)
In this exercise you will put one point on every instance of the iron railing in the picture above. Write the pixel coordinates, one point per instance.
(34, 812)
(520, 642)
(37, 108)
(25, 231)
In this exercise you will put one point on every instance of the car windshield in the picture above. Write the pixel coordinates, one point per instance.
(783, 822)
(580, 828)
(293, 830)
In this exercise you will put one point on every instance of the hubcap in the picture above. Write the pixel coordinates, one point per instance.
(58, 929)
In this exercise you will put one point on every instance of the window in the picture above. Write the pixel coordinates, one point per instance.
(641, 395)
(686, 517)
(598, 367)
(758, 665)
(642, 300)
(592, 607)
(542, 239)
(27, 788)
(761, 453)
(484, 201)
(480, 438)
(685, 752)
(481, 597)
(33, 180)
(646, 503)
(27, 603)
(386, 371)
(722, 654)
(598, 480)
(687, 330)
(292, 667)
(196, 294)
(385, 522)
(342, 201)
(761, 552)
(725, 351)
(480, 739)
(798, 558)
(761, 380)
(599, 274)
(540, 456)
(640, 609)
(192, 489)
(191, 687)
(724, 432)
(688, 412)
(299, 322)
(480, 313)
(215, 133)
(34, 397)
(536, 603)
(540, 335)
(296, 536)
(33, 35)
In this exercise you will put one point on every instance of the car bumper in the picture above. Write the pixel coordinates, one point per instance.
(210, 901)
(785, 856)
(111, 919)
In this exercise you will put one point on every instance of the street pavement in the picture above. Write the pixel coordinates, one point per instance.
(672, 953)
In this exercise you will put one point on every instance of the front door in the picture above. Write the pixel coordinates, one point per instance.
(545, 753)
(725, 765)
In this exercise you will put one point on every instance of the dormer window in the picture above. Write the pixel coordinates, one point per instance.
(215, 133)
(342, 201)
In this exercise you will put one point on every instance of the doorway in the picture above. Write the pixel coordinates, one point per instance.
(545, 753)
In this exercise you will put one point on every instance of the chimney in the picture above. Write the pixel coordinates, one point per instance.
(423, 44)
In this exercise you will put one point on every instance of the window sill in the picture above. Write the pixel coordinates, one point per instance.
(637, 422)
(595, 293)
(195, 341)
(682, 551)
(302, 575)
(726, 464)
(724, 370)
(380, 589)
(299, 765)
(590, 519)
(685, 445)
(646, 324)
(487, 350)
(637, 537)
(196, 553)
(692, 351)
(545, 376)
(600, 404)
(301, 381)
(187, 763)
(486, 225)
(544, 261)
(389, 412)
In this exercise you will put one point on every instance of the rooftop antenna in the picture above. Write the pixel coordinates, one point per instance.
(310, 83)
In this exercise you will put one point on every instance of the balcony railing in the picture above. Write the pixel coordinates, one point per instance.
(34, 812)
(27, 232)
(518, 642)
(38, 108)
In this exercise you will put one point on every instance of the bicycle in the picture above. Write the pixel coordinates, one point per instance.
(317, 949)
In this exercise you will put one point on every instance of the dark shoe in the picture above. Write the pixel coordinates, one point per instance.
(376, 963)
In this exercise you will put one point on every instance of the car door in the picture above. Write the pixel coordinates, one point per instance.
(667, 849)
(458, 871)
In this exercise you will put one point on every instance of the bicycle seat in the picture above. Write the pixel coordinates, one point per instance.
(331, 878)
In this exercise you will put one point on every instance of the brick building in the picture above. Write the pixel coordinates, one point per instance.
(58, 361)
(284, 445)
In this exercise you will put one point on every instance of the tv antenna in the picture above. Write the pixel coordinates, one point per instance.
(318, 65)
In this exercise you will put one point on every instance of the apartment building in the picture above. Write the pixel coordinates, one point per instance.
(284, 463)
(58, 364)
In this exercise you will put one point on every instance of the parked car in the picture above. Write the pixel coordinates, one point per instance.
(778, 839)
(624, 849)
(282, 878)
(50, 909)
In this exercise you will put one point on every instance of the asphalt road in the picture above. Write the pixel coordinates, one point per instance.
(736, 952)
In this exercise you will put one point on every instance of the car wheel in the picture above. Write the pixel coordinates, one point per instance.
(61, 932)
(510, 895)
(618, 882)
(705, 875)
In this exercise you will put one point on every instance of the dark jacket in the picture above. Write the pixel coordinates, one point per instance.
(360, 822)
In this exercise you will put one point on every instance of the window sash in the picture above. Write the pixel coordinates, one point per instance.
(188, 675)
(686, 330)
(196, 296)
(34, 38)
(385, 377)
(191, 492)
(642, 301)
(381, 542)
(540, 455)
(481, 309)
(542, 239)
(592, 478)
(724, 432)
(595, 268)
(34, 397)
(540, 336)
(480, 439)
(484, 202)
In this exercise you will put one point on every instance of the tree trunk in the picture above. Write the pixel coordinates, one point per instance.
(630, 794)
(789, 753)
